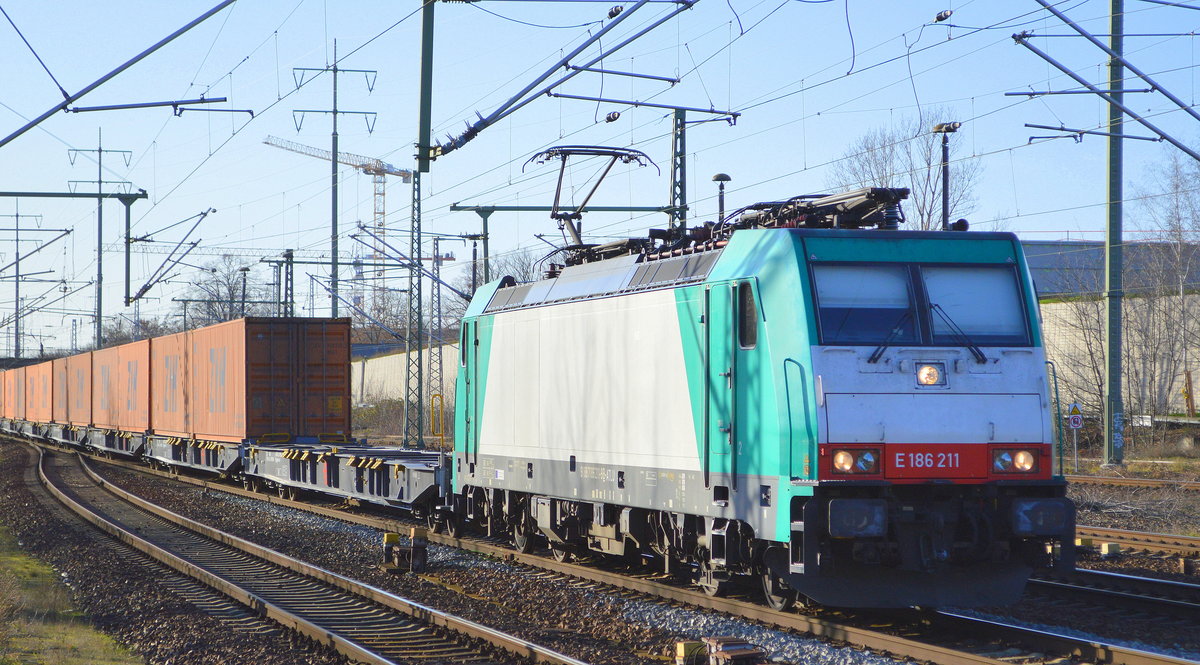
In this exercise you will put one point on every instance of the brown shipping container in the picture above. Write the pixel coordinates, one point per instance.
(39, 379)
(133, 386)
(79, 389)
(62, 405)
(169, 382)
(252, 377)
(14, 391)
(105, 364)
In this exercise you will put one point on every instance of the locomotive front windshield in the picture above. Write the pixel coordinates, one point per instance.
(911, 304)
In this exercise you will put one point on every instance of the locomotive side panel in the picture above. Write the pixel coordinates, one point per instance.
(598, 405)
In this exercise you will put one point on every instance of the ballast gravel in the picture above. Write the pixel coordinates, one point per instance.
(125, 598)
(594, 625)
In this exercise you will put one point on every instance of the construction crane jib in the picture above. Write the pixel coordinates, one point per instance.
(368, 165)
(378, 170)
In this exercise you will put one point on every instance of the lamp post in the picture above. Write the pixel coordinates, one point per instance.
(245, 271)
(721, 179)
(946, 129)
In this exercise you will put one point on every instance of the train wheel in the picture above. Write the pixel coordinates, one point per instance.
(433, 521)
(453, 526)
(559, 552)
(522, 537)
(778, 595)
(709, 583)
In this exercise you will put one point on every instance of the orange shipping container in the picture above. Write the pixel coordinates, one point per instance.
(39, 379)
(3, 393)
(133, 386)
(105, 364)
(79, 389)
(169, 383)
(62, 405)
(14, 391)
(252, 377)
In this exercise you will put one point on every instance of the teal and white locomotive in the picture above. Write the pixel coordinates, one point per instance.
(803, 393)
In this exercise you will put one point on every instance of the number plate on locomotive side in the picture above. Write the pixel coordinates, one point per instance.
(935, 461)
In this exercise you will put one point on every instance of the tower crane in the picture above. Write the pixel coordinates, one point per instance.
(377, 169)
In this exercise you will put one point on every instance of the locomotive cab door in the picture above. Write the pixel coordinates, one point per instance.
(720, 434)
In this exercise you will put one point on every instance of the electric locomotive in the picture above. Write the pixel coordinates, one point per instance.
(803, 393)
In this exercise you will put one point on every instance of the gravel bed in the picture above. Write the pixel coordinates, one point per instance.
(1050, 620)
(593, 625)
(126, 601)
(1154, 509)
(1141, 565)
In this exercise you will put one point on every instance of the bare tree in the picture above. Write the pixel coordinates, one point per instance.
(121, 330)
(908, 154)
(228, 288)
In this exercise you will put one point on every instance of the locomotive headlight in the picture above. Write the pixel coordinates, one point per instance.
(856, 461)
(1014, 461)
(931, 374)
(866, 462)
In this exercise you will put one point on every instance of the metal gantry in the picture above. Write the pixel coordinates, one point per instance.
(126, 199)
(333, 162)
(100, 182)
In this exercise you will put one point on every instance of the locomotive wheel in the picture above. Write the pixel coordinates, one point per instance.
(433, 521)
(559, 552)
(523, 531)
(708, 582)
(453, 526)
(522, 536)
(778, 595)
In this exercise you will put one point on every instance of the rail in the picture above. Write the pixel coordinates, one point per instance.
(341, 590)
(932, 646)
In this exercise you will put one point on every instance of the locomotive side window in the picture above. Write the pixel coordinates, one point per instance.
(747, 317)
(860, 304)
(983, 302)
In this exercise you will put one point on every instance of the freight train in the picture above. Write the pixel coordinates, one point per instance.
(261, 400)
(801, 394)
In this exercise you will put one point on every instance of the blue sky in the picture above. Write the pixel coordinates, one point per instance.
(808, 78)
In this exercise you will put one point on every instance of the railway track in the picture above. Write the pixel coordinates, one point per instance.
(366, 624)
(1142, 541)
(1135, 482)
(945, 638)
(1177, 603)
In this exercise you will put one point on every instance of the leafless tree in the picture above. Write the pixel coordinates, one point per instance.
(1160, 311)
(228, 288)
(909, 154)
(122, 330)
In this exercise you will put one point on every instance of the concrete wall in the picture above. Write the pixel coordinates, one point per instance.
(383, 377)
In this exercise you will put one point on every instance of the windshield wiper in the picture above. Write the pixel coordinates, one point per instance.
(887, 341)
(958, 332)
